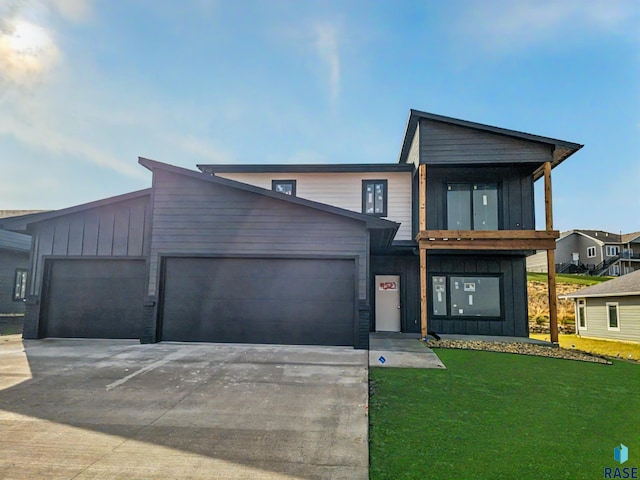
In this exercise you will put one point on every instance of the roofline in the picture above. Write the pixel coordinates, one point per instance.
(596, 295)
(577, 232)
(370, 221)
(86, 206)
(300, 168)
(563, 148)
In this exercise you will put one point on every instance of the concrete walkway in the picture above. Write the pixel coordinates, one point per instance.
(403, 350)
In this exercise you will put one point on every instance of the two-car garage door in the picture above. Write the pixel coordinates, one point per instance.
(259, 300)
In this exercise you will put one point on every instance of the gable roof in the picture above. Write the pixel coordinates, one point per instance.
(370, 221)
(14, 241)
(602, 237)
(623, 286)
(298, 168)
(19, 224)
(630, 237)
(562, 148)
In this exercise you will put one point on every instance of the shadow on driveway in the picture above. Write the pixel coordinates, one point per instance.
(118, 409)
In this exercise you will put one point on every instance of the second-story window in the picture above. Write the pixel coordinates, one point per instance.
(591, 252)
(472, 206)
(374, 197)
(612, 250)
(288, 187)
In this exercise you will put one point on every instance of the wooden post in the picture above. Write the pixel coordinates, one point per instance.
(551, 257)
(422, 222)
(423, 292)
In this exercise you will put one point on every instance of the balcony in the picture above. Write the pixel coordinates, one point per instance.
(487, 239)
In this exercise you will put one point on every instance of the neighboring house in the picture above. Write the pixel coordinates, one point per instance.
(304, 254)
(14, 265)
(609, 310)
(596, 252)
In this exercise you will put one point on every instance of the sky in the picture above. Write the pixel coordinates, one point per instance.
(88, 86)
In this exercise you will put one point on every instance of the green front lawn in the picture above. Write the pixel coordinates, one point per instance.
(567, 278)
(502, 416)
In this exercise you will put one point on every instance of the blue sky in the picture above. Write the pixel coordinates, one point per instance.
(88, 86)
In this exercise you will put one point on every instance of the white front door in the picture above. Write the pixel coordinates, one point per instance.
(387, 303)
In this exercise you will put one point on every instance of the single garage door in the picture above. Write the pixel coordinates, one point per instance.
(259, 300)
(94, 298)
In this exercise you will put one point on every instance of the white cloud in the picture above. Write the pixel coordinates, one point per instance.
(326, 45)
(507, 25)
(72, 10)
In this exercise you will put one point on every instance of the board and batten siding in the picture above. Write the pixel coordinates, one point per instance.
(628, 313)
(443, 143)
(114, 230)
(343, 190)
(10, 260)
(199, 218)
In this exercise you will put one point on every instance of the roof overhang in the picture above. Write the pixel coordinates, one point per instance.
(298, 168)
(577, 295)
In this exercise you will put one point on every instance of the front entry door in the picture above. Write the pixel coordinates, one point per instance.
(387, 303)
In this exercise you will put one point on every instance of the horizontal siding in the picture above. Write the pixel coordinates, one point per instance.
(196, 217)
(111, 230)
(343, 190)
(629, 311)
(442, 143)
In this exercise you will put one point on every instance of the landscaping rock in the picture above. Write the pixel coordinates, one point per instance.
(518, 348)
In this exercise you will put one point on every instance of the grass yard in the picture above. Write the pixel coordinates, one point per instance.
(567, 278)
(502, 416)
(605, 348)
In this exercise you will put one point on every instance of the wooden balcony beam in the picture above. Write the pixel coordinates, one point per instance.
(488, 239)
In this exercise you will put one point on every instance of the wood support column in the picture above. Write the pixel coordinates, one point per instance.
(422, 223)
(551, 257)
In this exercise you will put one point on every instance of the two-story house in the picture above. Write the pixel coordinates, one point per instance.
(306, 254)
(592, 252)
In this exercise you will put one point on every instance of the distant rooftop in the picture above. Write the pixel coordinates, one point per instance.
(606, 237)
(625, 285)
(18, 213)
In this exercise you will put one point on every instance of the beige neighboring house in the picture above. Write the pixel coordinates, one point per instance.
(609, 310)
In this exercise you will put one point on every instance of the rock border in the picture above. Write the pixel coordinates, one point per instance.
(519, 349)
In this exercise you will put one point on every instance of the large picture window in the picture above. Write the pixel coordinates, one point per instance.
(466, 296)
(374, 197)
(472, 206)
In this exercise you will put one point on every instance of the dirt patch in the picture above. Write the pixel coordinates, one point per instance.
(539, 307)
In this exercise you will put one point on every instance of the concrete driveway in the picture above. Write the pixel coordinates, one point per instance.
(116, 409)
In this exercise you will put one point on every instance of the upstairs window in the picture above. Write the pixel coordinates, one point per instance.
(472, 206)
(612, 250)
(374, 197)
(591, 252)
(288, 187)
(20, 285)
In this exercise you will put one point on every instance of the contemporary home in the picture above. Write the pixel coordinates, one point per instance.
(306, 254)
(592, 252)
(14, 264)
(609, 310)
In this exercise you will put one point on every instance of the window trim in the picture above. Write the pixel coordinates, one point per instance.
(17, 296)
(471, 209)
(275, 183)
(591, 249)
(581, 303)
(385, 196)
(449, 316)
(609, 327)
(612, 248)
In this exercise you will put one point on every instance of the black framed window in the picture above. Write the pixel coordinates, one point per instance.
(20, 285)
(476, 296)
(472, 206)
(374, 197)
(288, 187)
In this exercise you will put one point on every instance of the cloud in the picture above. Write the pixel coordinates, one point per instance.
(501, 25)
(72, 10)
(326, 45)
(204, 149)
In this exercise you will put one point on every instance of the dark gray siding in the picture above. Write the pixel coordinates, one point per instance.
(577, 243)
(514, 294)
(446, 144)
(197, 217)
(113, 230)
(407, 266)
(515, 193)
(9, 261)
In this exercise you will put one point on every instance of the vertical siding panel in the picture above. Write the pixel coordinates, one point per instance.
(121, 232)
(105, 239)
(90, 237)
(61, 238)
(136, 229)
(76, 234)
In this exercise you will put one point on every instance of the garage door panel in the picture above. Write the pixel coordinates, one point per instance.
(94, 298)
(297, 301)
